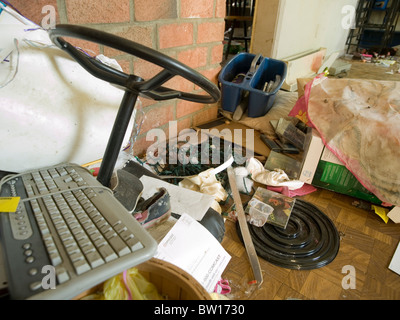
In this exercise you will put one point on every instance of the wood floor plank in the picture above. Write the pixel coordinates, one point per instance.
(287, 293)
(318, 288)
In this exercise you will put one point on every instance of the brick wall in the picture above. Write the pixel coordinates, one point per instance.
(189, 31)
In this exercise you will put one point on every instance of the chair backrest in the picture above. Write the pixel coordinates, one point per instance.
(240, 7)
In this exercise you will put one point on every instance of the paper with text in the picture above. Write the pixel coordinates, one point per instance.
(191, 247)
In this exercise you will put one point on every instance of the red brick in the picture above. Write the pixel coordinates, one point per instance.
(145, 69)
(210, 32)
(97, 11)
(175, 35)
(217, 53)
(206, 115)
(184, 108)
(146, 10)
(139, 34)
(194, 58)
(220, 9)
(179, 83)
(32, 9)
(125, 65)
(157, 116)
(197, 9)
(147, 102)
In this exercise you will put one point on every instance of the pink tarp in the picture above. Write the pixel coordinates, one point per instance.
(359, 122)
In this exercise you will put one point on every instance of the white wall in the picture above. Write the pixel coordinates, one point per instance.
(305, 25)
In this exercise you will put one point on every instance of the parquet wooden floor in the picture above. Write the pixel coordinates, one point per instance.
(367, 244)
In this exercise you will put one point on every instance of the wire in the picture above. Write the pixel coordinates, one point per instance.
(16, 67)
(38, 44)
(9, 177)
(13, 176)
(16, 14)
(64, 191)
(16, 175)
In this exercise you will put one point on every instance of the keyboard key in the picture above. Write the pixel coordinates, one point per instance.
(35, 285)
(94, 259)
(126, 235)
(119, 246)
(62, 275)
(107, 253)
(88, 248)
(81, 266)
(55, 259)
(134, 244)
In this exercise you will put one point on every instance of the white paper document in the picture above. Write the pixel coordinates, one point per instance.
(182, 200)
(395, 263)
(191, 247)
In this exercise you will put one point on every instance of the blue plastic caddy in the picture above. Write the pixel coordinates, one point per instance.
(249, 72)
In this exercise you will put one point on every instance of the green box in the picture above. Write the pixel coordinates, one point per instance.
(338, 178)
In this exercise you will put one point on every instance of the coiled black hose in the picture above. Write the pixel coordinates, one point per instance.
(309, 241)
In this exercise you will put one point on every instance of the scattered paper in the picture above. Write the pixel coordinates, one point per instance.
(394, 214)
(395, 263)
(191, 247)
(183, 200)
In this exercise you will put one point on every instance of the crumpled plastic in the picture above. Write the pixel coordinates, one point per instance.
(129, 285)
(359, 122)
(258, 212)
(274, 178)
(206, 182)
(243, 183)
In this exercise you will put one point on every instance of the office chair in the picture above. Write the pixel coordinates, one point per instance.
(239, 13)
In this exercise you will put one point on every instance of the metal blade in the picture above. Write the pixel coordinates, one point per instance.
(244, 229)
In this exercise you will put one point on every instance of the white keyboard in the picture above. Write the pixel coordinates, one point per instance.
(68, 223)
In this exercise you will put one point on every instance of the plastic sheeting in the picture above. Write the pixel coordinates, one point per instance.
(359, 122)
(52, 110)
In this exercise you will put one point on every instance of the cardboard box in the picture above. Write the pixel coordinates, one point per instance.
(312, 154)
(302, 65)
(331, 174)
(323, 169)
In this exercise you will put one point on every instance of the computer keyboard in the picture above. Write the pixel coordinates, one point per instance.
(68, 234)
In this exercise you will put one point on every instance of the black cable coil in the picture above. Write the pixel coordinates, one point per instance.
(309, 241)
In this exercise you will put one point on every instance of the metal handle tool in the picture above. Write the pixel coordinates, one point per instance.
(244, 229)
(254, 64)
